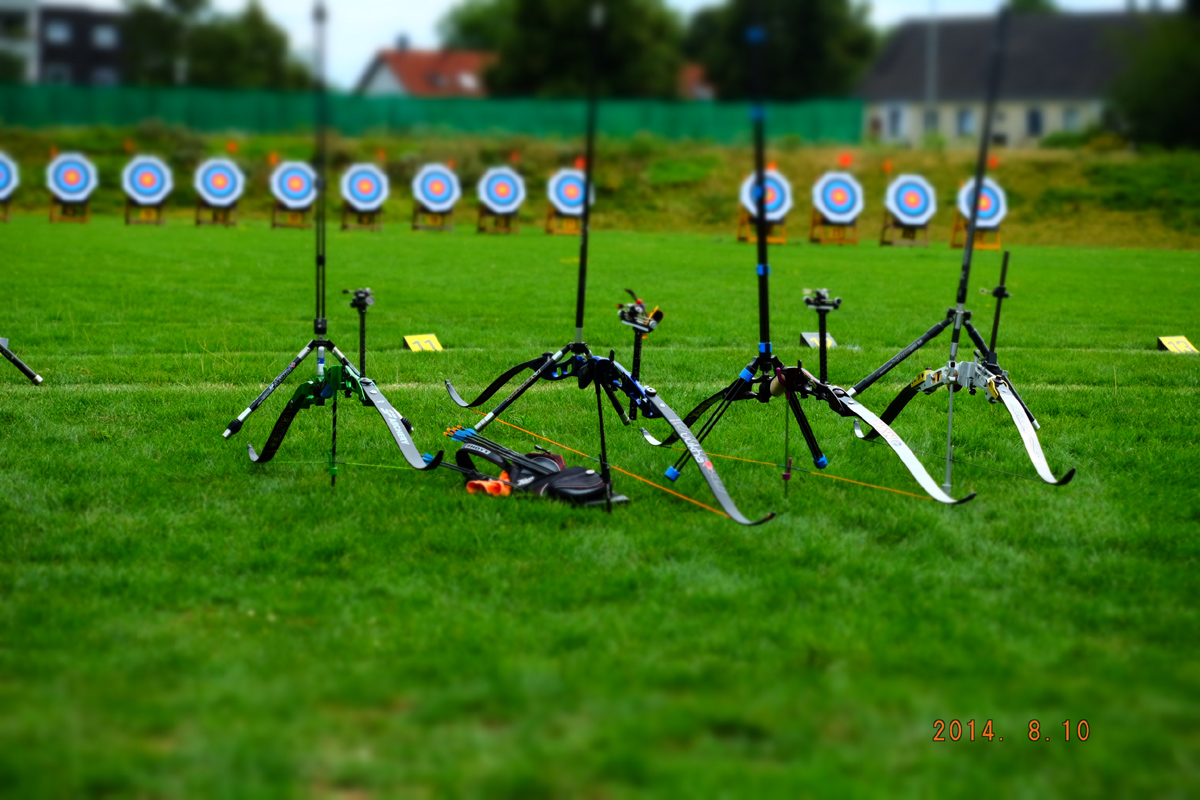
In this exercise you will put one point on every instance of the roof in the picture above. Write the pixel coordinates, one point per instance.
(433, 73)
(1049, 56)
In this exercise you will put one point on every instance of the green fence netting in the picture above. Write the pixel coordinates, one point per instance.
(353, 115)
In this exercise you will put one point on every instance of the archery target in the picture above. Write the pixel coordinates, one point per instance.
(993, 204)
(294, 185)
(10, 177)
(436, 188)
(71, 178)
(147, 180)
(219, 182)
(838, 197)
(566, 192)
(911, 199)
(779, 195)
(365, 187)
(502, 190)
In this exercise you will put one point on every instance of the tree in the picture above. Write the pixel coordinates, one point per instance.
(183, 42)
(544, 51)
(1033, 6)
(477, 25)
(1157, 97)
(815, 48)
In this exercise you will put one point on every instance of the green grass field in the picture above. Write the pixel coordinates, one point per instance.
(177, 622)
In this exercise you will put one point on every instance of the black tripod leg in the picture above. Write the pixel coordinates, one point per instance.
(810, 438)
(601, 378)
(236, 425)
(18, 363)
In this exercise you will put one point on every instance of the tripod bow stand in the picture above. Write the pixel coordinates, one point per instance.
(340, 377)
(18, 363)
(984, 372)
(576, 360)
(766, 376)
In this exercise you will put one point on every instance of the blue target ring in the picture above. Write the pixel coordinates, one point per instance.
(502, 190)
(838, 197)
(294, 185)
(365, 187)
(911, 200)
(993, 203)
(566, 190)
(71, 178)
(10, 177)
(219, 182)
(778, 199)
(147, 180)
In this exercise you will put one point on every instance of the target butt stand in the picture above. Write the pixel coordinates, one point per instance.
(340, 377)
(489, 221)
(365, 189)
(284, 217)
(896, 234)
(984, 372)
(765, 376)
(137, 214)
(219, 185)
(823, 231)
(62, 211)
(433, 221)
(355, 220)
(225, 216)
(984, 238)
(747, 229)
(558, 224)
(25, 369)
(501, 192)
(4, 209)
(574, 360)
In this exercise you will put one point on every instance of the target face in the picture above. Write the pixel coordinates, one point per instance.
(219, 182)
(779, 195)
(566, 192)
(838, 197)
(10, 177)
(365, 187)
(502, 190)
(993, 204)
(147, 180)
(911, 199)
(294, 185)
(71, 178)
(436, 188)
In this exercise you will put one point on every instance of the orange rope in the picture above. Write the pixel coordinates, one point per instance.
(612, 466)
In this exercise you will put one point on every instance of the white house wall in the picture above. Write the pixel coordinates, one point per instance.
(383, 82)
(1011, 120)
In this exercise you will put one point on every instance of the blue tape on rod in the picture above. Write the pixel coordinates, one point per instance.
(672, 473)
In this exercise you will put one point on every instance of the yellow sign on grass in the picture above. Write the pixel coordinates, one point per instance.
(1176, 344)
(422, 341)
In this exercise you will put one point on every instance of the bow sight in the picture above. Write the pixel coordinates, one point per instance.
(634, 315)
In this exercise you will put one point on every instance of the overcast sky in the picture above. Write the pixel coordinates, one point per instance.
(360, 27)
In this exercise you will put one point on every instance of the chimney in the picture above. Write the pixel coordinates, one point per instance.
(402, 42)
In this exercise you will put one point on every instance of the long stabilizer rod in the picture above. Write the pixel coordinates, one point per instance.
(995, 68)
(596, 23)
(321, 112)
(757, 36)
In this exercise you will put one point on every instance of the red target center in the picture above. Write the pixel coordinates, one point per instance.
(366, 185)
(985, 203)
(72, 177)
(220, 181)
(912, 198)
(771, 195)
(437, 187)
(295, 183)
(572, 192)
(147, 180)
(839, 196)
(503, 190)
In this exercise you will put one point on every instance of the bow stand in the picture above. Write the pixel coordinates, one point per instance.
(341, 377)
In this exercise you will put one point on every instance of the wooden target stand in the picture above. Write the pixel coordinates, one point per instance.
(138, 214)
(216, 215)
(985, 238)
(559, 224)
(62, 211)
(355, 220)
(747, 229)
(292, 217)
(425, 220)
(491, 222)
(822, 231)
(4, 210)
(896, 234)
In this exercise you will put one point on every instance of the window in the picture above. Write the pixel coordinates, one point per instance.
(965, 122)
(932, 122)
(1071, 119)
(104, 37)
(57, 74)
(895, 122)
(468, 81)
(58, 31)
(1033, 122)
(104, 76)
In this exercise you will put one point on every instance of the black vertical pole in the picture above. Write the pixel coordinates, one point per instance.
(596, 22)
(1000, 292)
(362, 341)
(321, 110)
(601, 374)
(821, 314)
(757, 36)
(637, 368)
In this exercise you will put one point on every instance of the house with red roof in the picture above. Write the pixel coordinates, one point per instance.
(426, 73)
